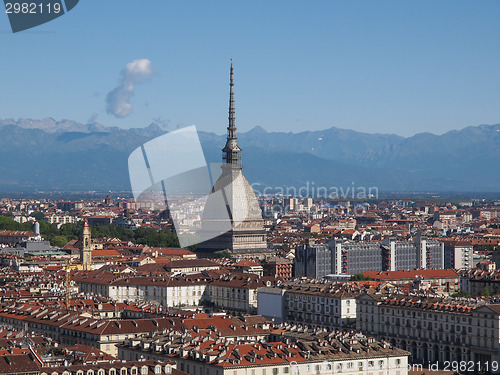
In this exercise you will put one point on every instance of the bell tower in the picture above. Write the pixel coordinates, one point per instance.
(86, 249)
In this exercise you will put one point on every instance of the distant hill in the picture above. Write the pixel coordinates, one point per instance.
(70, 156)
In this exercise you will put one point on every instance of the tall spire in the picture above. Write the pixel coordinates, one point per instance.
(231, 150)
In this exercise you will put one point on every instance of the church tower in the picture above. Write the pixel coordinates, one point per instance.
(247, 237)
(86, 249)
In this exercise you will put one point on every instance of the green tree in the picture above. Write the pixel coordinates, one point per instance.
(359, 277)
(112, 231)
(462, 294)
(223, 254)
(486, 292)
(71, 231)
(154, 238)
(59, 241)
(6, 223)
(48, 231)
(68, 232)
(38, 215)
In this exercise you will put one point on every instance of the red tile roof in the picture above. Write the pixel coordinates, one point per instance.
(411, 274)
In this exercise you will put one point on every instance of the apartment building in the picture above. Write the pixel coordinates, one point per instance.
(233, 292)
(317, 352)
(73, 328)
(313, 260)
(237, 293)
(477, 281)
(389, 255)
(442, 281)
(278, 267)
(174, 291)
(315, 303)
(433, 329)
(353, 257)
(61, 219)
(140, 367)
(458, 255)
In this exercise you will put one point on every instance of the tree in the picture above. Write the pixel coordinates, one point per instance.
(71, 231)
(462, 294)
(48, 231)
(59, 241)
(112, 231)
(223, 254)
(38, 215)
(486, 292)
(359, 277)
(154, 238)
(7, 223)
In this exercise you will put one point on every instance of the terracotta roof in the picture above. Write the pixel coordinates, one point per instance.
(105, 253)
(11, 364)
(16, 233)
(246, 263)
(410, 274)
(186, 263)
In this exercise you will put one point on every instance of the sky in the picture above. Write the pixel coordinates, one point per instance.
(385, 66)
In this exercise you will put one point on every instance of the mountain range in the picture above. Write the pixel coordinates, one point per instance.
(65, 155)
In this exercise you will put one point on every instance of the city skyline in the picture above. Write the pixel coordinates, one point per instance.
(384, 67)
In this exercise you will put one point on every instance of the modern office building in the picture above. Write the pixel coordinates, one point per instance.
(353, 257)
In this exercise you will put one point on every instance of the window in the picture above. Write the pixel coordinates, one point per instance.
(144, 370)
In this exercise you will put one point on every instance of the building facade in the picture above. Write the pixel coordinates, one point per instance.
(458, 255)
(317, 304)
(349, 354)
(313, 260)
(434, 330)
(389, 255)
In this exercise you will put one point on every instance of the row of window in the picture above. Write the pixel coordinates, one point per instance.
(123, 371)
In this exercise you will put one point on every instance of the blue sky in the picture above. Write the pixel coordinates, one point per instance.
(374, 66)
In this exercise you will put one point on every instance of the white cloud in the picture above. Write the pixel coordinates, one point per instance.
(118, 99)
